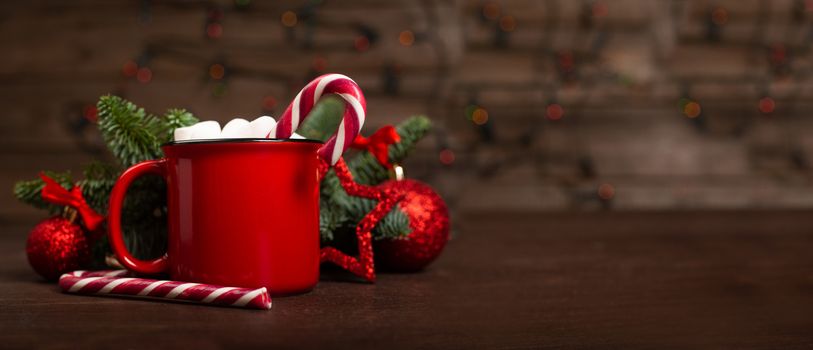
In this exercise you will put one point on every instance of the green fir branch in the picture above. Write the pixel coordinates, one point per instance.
(128, 130)
(365, 166)
(394, 224)
(173, 119)
(30, 192)
(98, 183)
(331, 219)
(323, 120)
(366, 170)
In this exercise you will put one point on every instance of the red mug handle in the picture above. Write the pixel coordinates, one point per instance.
(154, 266)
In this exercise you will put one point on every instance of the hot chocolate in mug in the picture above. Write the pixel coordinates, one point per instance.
(244, 212)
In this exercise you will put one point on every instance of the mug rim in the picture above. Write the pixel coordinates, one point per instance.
(236, 140)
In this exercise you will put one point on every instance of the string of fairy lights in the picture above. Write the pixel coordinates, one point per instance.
(299, 25)
(570, 65)
(302, 24)
(778, 55)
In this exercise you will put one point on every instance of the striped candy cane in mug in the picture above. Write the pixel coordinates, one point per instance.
(352, 121)
(114, 283)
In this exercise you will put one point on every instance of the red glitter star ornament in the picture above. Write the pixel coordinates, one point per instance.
(362, 265)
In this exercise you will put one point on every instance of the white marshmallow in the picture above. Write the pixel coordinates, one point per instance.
(235, 129)
(206, 130)
(182, 134)
(260, 127)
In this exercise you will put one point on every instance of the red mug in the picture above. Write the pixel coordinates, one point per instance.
(242, 212)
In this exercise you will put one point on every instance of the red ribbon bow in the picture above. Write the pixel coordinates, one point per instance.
(378, 143)
(54, 193)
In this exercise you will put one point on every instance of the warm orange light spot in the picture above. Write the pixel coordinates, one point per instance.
(479, 116)
(361, 43)
(269, 102)
(289, 19)
(90, 113)
(144, 75)
(554, 111)
(406, 38)
(600, 9)
(446, 157)
(566, 61)
(692, 109)
(508, 23)
(767, 105)
(129, 69)
(778, 54)
(606, 191)
(214, 30)
(217, 71)
(719, 16)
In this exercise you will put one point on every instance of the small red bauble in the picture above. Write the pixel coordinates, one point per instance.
(429, 221)
(55, 246)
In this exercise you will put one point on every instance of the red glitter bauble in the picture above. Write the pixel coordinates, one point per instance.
(429, 221)
(55, 246)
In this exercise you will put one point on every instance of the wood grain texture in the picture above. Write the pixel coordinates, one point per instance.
(622, 120)
(637, 280)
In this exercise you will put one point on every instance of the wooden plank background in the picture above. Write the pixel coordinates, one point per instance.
(622, 127)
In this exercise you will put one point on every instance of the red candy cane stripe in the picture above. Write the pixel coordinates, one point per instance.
(349, 128)
(112, 283)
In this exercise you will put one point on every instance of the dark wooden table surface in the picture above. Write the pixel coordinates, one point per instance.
(607, 280)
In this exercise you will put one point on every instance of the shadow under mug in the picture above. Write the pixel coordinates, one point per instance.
(241, 213)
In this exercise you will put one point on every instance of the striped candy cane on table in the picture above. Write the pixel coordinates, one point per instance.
(352, 121)
(114, 283)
